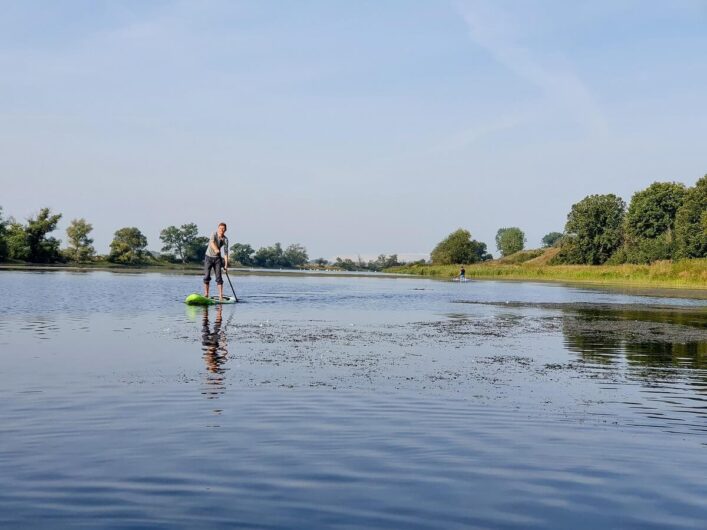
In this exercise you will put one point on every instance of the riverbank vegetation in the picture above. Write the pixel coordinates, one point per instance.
(31, 244)
(686, 274)
(659, 241)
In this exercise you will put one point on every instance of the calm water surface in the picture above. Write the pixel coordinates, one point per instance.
(348, 402)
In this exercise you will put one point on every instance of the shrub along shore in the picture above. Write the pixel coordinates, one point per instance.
(682, 274)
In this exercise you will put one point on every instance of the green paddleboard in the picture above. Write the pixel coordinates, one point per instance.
(197, 299)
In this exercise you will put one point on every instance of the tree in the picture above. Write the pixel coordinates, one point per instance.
(243, 254)
(270, 257)
(383, 262)
(346, 264)
(480, 251)
(691, 223)
(551, 239)
(321, 262)
(594, 230)
(377, 264)
(3, 237)
(652, 211)
(510, 240)
(181, 241)
(16, 239)
(196, 250)
(42, 249)
(644, 250)
(458, 247)
(649, 223)
(128, 246)
(80, 245)
(295, 255)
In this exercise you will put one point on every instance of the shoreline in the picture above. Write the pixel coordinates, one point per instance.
(688, 275)
(193, 270)
(638, 288)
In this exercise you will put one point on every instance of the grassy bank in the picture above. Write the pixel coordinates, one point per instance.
(158, 266)
(101, 265)
(685, 274)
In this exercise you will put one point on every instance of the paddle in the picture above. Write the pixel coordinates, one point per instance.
(229, 283)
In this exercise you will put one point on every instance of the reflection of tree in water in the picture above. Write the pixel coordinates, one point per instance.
(215, 352)
(652, 343)
(592, 347)
(665, 353)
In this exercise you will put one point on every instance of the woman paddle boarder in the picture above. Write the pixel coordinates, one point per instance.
(213, 259)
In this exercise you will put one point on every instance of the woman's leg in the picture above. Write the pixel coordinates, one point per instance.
(207, 275)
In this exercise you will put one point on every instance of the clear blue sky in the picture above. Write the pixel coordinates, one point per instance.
(350, 127)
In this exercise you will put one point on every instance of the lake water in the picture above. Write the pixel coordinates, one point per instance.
(348, 403)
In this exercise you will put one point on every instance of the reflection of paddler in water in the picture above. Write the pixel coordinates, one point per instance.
(215, 352)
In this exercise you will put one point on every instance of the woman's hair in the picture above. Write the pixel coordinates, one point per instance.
(224, 225)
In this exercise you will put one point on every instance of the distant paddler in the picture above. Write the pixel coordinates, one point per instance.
(214, 260)
(462, 274)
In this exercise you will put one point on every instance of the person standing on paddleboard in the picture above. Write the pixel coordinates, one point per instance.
(213, 259)
(462, 274)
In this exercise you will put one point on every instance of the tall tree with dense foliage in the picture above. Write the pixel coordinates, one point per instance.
(691, 223)
(295, 255)
(594, 230)
(510, 240)
(242, 253)
(80, 247)
(183, 241)
(652, 211)
(270, 257)
(16, 238)
(458, 247)
(650, 222)
(551, 239)
(42, 249)
(128, 247)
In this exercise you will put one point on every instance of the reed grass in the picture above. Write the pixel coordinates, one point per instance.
(690, 274)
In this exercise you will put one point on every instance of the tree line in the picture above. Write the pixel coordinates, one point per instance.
(31, 242)
(667, 220)
(295, 256)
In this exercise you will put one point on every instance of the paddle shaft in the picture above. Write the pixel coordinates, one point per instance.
(229, 283)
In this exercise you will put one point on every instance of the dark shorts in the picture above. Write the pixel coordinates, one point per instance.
(213, 263)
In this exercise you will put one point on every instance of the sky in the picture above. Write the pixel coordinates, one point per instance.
(352, 128)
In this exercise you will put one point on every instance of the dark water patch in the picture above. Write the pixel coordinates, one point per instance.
(694, 315)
